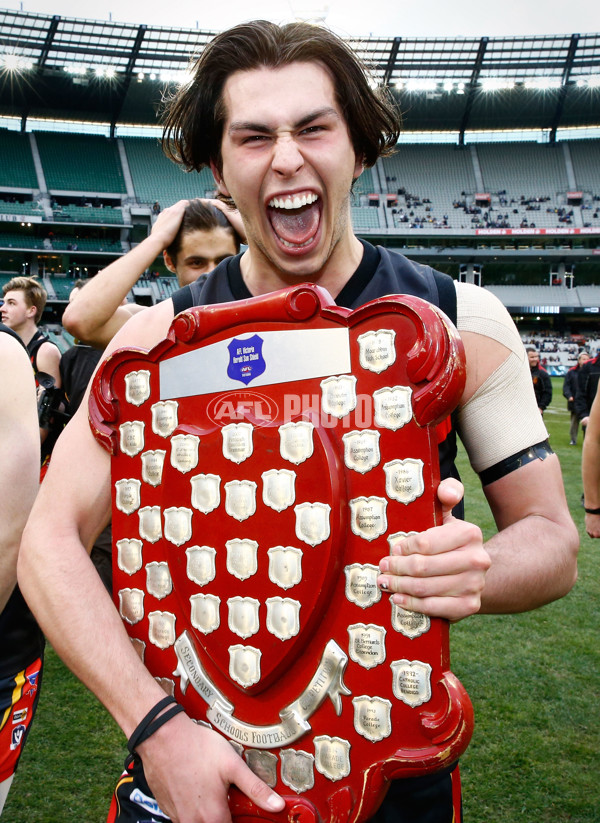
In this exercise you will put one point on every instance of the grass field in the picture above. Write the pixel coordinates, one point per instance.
(534, 680)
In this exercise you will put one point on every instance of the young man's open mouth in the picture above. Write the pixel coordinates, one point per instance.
(295, 219)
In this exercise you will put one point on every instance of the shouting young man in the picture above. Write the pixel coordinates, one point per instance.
(287, 120)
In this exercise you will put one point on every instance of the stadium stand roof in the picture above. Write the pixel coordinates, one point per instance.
(65, 68)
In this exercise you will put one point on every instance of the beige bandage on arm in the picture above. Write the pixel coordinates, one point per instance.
(502, 417)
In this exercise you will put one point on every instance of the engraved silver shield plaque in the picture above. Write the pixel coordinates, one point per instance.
(285, 566)
(127, 496)
(164, 417)
(404, 480)
(361, 584)
(240, 499)
(129, 555)
(263, 764)
(297, 770)
(283, 617)
(158, 580)
(338, 395)
(150, 525)
(167, 685)
(184, 452)
(410, 624)
(131, 605)
(132, 437)
(152, 466)
(392, 539)
(201, 564)
(393, 407)
(372, 717)
(205, 612)
(139, 647)
(161, 629)
(178, 524)
(296, 441)
(137, 387)
(243, 616)
(242, 558)
(368, 517)
(377, 350)
(237, 441)
(361, 450)
(279, 490)
(312, 522)
(411, 681)
(366, 644)
(206, 494)
(244, 665)
(332, 756)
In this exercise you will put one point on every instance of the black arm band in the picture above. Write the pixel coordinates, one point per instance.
(591, 511)
(510, 464)
(151, 724)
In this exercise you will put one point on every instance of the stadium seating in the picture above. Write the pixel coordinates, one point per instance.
(80, 163)
(17, 169)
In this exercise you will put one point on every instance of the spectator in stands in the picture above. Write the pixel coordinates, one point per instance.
(570, 390)
(21, 641)
(282, 115)
(193, 237)
(590, 470)
(587, 387)
(24, 301)
(542, 385)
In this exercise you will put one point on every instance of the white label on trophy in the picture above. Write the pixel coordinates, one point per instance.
(178, 524)
(279, 490)
(392, 539)
(242, 558)
(361, 450)
(152, 466)
(338, 395)
(137, 387)
(404, 480)
(184, 452)
(410, 624)
(361, 584)
(366, 644)
(201, 564)
(158, 580)
(372, 717)
(411, 681)
(377, 350)
(285, 566)
(240, 499)
(129, 555)
(332, 756)
(205, 614)
(164, 417)
(206, 494)
(264, 765)
(297, 770)
(368, 517)
(132, 437)
(161, 629)
(393, 407)
(150, 525)
(296, 441)
(283, 617)
(237, 441)
(312, 522)
(243, 616)
(244, 665)
(127, 497)
(131, 605)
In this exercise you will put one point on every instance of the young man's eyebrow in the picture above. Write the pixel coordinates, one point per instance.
(262, 128)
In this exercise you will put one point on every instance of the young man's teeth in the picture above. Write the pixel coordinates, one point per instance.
(296, 245)
(295, 202)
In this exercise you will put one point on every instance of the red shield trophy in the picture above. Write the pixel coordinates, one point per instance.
(266, 455)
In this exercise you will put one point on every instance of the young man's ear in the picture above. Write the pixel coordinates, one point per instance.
(168, 262)
(219, 180)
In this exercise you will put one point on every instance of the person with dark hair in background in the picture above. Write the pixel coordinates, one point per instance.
(542, 385)
(193, 236)
(570, 391)
(287, 120)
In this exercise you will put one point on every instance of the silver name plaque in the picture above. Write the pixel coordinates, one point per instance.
(279, 490)
(332, 756)
(372, 717)
(410, 624)
(368, 517)
(361, 584)
(127, 495)
(285, 566)
(411, 682)
(361, 450)
(297, 770)
(296, 441)
(366, 644)
(137, 387)
(164, 417)
(404, 479)
(393, 407)
(377, 350)
(132, 437)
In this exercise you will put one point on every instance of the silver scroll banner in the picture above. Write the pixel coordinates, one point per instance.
(327, 681)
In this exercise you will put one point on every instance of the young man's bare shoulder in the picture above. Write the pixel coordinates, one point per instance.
(145, 329)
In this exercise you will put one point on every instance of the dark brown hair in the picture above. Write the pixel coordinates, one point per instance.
(199, 216)
(194, 117)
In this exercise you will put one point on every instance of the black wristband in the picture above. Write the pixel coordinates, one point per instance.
(591, 511)
(150, 724)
